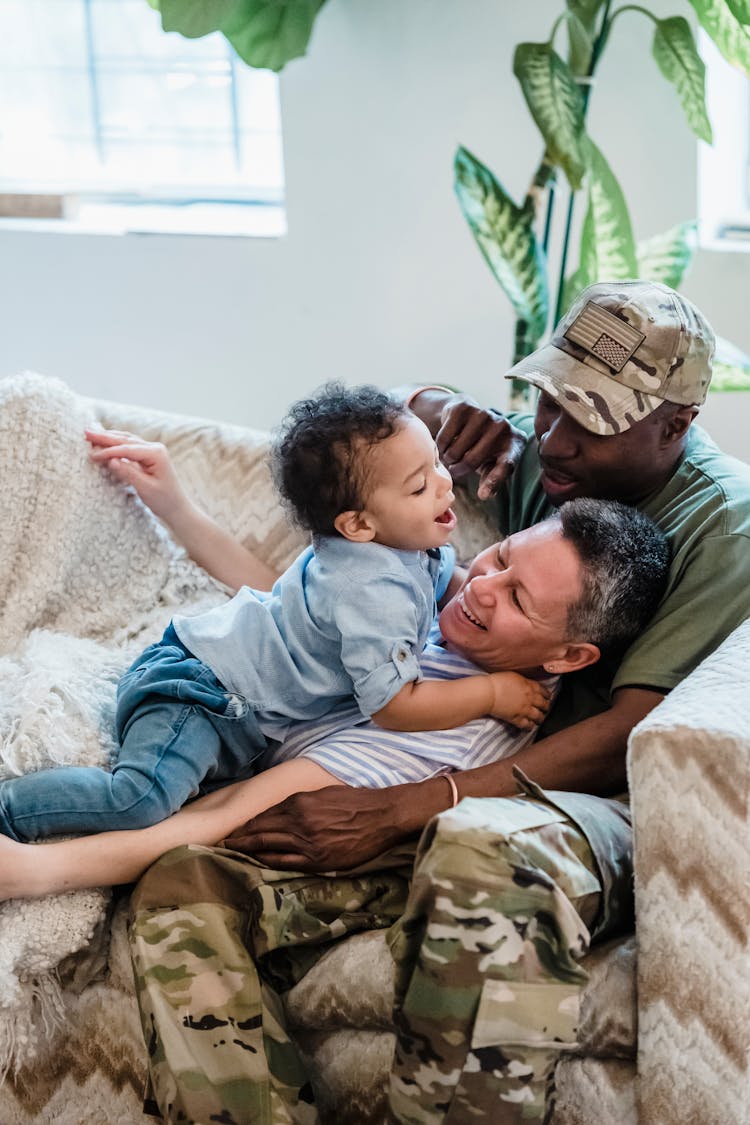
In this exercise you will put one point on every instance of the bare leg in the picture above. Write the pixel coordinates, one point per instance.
(109, 858)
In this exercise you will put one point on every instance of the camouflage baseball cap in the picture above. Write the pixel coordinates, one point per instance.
(622, 349)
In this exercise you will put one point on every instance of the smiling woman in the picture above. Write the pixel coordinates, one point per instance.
(556, 594)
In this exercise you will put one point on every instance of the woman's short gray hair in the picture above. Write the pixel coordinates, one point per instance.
(625, 559)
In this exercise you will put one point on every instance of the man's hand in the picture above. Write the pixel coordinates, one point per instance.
(338, 827)
(469, 438)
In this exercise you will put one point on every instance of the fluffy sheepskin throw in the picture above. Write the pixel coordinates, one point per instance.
(88, 577)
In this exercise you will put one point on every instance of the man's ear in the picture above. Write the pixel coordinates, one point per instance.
(355, 526)
(678, 423)
(574, 657)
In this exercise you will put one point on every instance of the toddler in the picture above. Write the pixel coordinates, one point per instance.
(347, 620)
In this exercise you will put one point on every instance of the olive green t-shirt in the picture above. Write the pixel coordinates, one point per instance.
(704, 509)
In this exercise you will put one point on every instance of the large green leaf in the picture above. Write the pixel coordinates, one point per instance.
(194, 18)
(677, 58)
(581, 45)
(607, 246)
(264, 33)
(586, 11)
(666, 256)
(271, 32)
(505, 234)
(740, 9)
(582, 30)
(555, 102)
(726, 31)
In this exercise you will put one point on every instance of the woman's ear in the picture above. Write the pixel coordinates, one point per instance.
(355, 526)
(574, 657)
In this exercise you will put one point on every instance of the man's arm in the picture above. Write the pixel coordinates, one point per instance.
(334, 829)
(469, 438)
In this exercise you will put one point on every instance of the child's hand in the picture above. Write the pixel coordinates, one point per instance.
(143, 464)
(518, 700)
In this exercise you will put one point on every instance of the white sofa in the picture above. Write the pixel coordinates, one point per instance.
(676, 1055)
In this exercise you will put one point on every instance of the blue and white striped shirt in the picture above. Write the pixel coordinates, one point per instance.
(361, 753)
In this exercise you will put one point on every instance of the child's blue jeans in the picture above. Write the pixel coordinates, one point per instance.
(180, 732)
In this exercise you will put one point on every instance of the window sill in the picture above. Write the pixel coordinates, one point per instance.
(191, 219)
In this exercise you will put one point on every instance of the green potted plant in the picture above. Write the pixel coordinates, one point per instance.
(514, 238)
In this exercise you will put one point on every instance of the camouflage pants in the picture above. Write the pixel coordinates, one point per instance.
(486, 942)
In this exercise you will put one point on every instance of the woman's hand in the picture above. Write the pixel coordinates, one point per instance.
(338, 827)
(146, 466)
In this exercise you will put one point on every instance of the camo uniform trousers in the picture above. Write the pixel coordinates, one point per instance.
(486, 938)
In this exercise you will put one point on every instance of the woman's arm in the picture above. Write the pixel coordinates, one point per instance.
(146, 466)
(109, 858)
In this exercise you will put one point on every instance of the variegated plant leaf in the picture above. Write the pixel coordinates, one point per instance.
(607, 248)
(729, 35)
(506, 236)
(555, 102)
(667, 256)
(740, 9)
(194, 18)
(587, 12)
(581, 44)
(677, 58)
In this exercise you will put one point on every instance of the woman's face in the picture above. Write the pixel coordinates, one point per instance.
(512, 611)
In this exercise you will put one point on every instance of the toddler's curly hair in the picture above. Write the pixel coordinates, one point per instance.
(319, 456)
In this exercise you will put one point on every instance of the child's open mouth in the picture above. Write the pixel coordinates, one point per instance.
(448, 517)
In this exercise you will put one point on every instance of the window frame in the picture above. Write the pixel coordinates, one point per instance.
(724, 167)
(193, 203)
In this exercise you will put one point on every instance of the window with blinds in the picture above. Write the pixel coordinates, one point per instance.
(107, 122)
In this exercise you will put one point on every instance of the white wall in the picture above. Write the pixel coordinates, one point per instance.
(378, 278)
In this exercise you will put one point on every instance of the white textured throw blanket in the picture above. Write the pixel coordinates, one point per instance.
(87, 578)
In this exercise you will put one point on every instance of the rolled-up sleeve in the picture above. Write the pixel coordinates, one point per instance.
(379, 627)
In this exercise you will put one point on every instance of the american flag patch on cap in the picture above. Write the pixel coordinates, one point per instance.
(604, 335)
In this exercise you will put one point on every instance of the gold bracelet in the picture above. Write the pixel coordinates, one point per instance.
(426, 387)
(454, 790)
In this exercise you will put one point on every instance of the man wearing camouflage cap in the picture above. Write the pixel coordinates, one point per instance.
(481, 1015)
(620, 352)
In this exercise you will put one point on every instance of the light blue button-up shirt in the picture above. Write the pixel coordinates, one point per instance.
(344, 620)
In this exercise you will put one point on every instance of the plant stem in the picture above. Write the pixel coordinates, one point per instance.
(596, 51)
